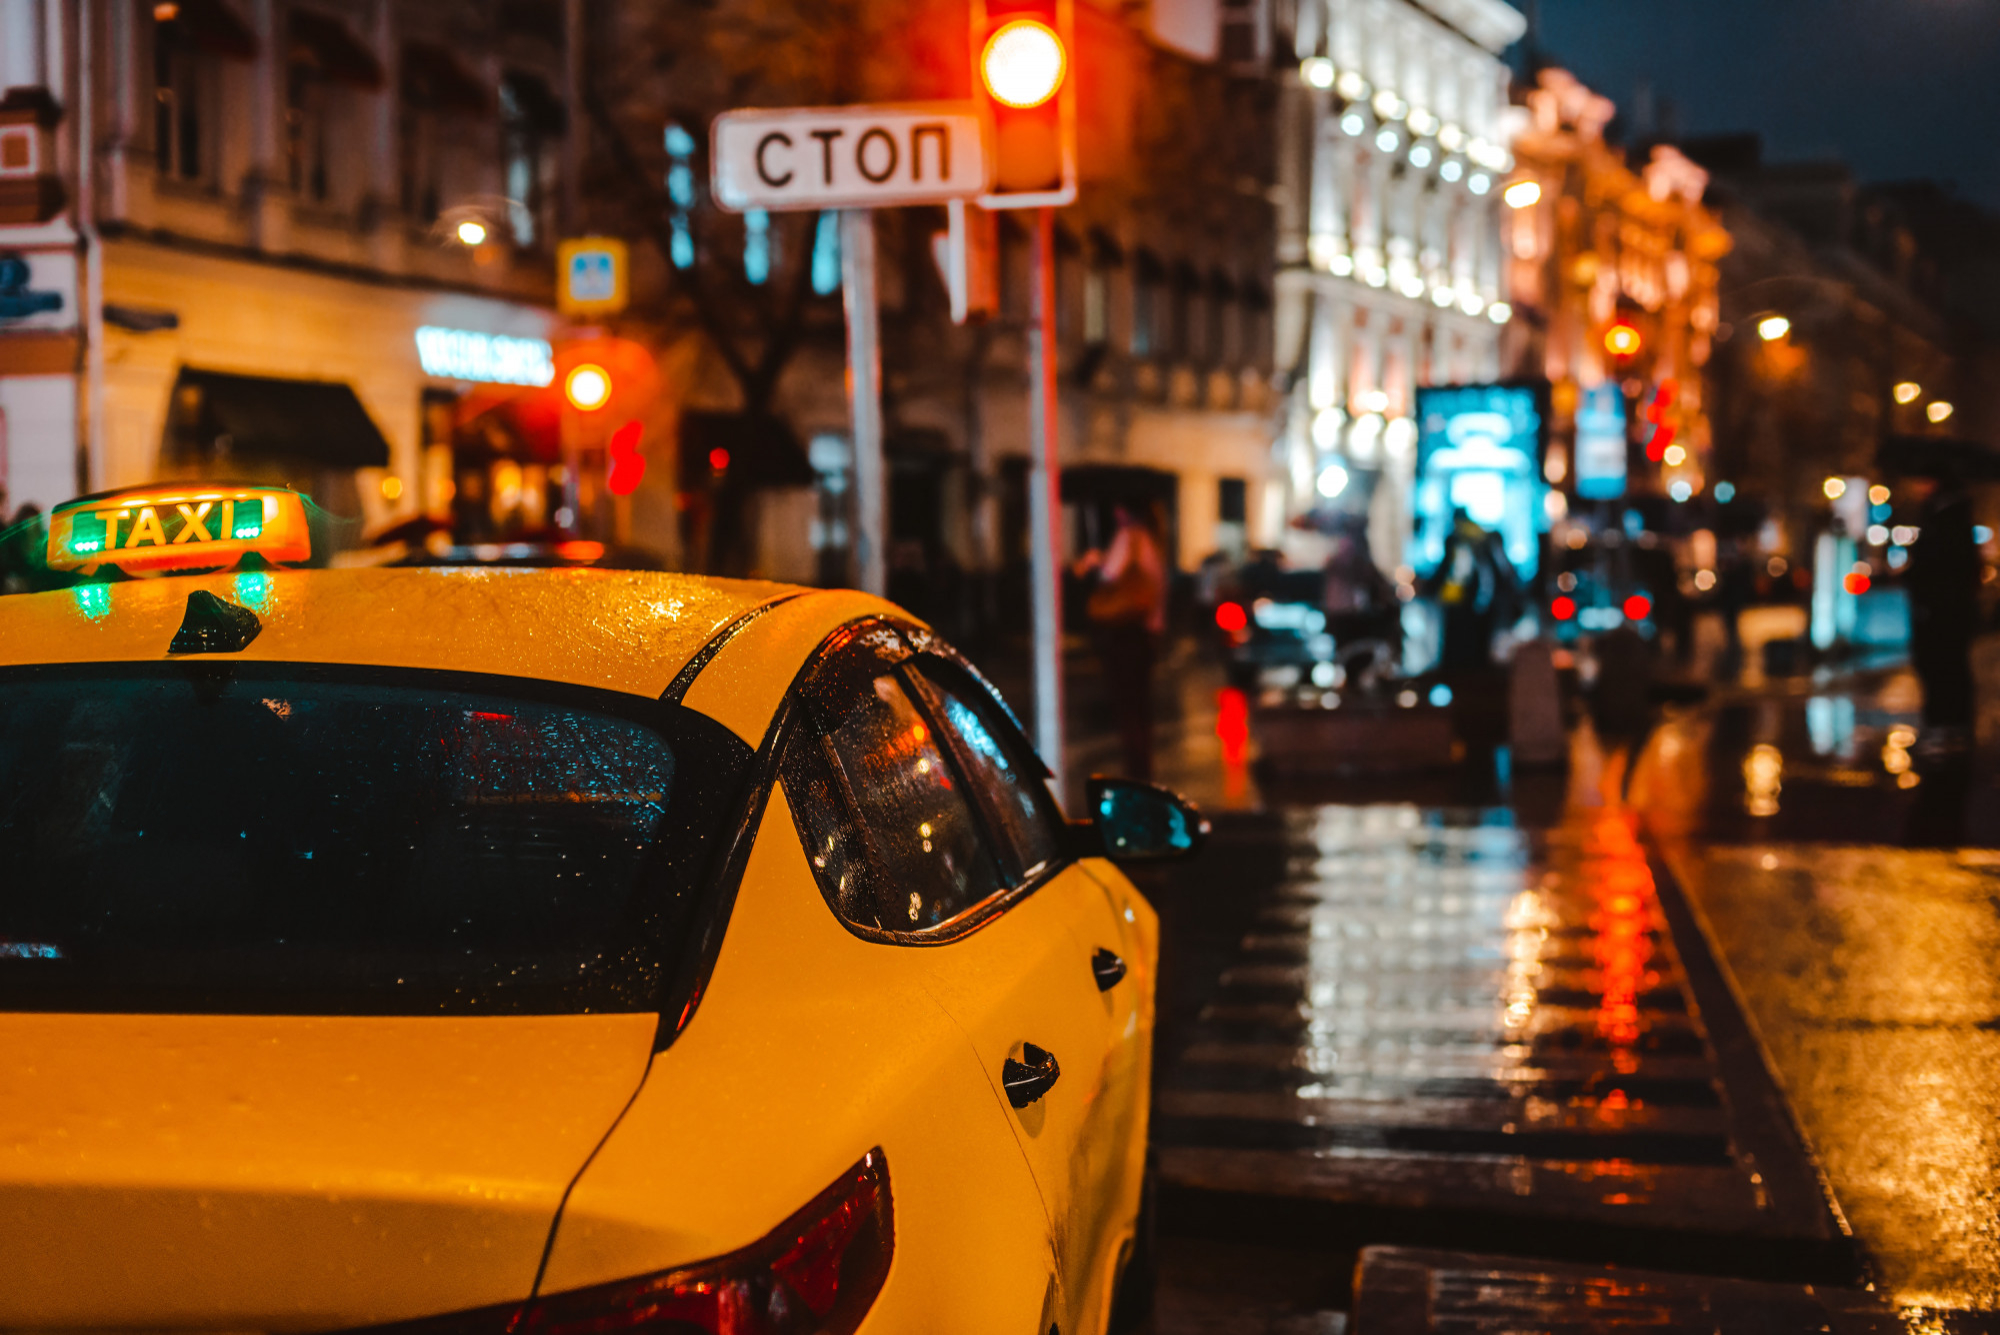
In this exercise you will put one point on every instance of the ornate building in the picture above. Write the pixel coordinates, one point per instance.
(1393, 149)
(1612, 270)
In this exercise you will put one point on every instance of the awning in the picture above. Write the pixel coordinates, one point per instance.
(535, 105)
(763, 451)
(267, 418)
(1939, 457)
(210, 25)
(434, 77)
(330, 46)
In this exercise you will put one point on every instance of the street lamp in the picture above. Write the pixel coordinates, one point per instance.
(472, 232)
(1938, 411)
(1773, 327)
(1908, 391)
(1521, 194)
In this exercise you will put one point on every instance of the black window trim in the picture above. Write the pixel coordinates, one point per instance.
(918, 642)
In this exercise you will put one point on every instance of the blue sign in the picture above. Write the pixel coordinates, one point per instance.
(1600, 443)
(1479, 449)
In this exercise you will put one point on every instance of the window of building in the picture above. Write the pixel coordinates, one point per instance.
(323, 58)
(532, 123)
(180, 96)
(437, 93)
(1149, 303)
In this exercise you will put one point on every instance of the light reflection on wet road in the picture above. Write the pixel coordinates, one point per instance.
(1871, 971)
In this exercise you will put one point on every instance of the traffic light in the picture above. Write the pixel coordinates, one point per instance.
(1023, 74)
(1623, 340)
(587, 387)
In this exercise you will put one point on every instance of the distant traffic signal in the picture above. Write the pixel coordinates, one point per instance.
(1623, 340)
(1023, 67)
(587, 387)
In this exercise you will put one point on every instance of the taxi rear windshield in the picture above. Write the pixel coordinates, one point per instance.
(240, 838)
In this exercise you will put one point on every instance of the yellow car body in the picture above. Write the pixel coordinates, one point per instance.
(264, 1167)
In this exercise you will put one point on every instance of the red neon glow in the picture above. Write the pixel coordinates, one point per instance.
(1231, 617)
(1622, 948)
(1563, 608)
(1638, 607)
(627, 468)
(1856, 582)
(1656, 448)
(718, 459)
(1232, 728)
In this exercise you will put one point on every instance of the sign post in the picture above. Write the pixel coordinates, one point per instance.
(864, 398)
(855, 159)
(1045, 502)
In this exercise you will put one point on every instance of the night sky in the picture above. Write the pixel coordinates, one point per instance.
(1897, 88)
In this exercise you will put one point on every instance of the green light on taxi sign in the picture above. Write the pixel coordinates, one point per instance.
(178, 529)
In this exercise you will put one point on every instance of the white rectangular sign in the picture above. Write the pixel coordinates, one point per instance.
(847, 157)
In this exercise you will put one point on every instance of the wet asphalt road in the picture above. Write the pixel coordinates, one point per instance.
(1846, 882)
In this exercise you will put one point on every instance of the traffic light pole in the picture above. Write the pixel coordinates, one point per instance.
(1045, 502)
(864, 398)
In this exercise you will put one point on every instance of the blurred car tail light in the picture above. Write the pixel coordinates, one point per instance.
(1638, 607)
(1231, 617)
(1563, 608)
(818, 1273)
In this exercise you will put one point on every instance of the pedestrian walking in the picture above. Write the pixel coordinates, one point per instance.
(1128, 613)
(1943, 583)
(1477, 588)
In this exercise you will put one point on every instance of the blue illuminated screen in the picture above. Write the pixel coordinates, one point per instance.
(1479, 449)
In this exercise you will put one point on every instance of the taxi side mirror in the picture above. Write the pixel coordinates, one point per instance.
(1139, 822)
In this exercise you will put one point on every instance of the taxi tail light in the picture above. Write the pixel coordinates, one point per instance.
(817, 1273)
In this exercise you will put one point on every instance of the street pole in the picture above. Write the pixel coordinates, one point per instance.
(1045, 502)
(864, 397)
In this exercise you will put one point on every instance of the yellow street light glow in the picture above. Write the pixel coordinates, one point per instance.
(1773, 327)
(472, 232)
(1835, 488)
(588, 387)
(1675, 456)
(1522, 193)
(1023, 64)
(1908, 391)
(1878, 495)
(392, 488)
(1622, 340)
(1938, 411)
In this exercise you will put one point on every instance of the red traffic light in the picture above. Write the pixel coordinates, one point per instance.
(587, 387)
(1231, 618)
(1563, 608)
(1023, 64)
(1638, 607)
(1022, 73)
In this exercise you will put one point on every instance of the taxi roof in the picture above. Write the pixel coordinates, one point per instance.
(629, 631)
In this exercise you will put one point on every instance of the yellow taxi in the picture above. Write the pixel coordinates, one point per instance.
(543, 951)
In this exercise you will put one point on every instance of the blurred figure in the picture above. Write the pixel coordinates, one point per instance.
(1476, 586)
(1128, 611)
(1621, 703)
(1943, 582)
(1359, 601)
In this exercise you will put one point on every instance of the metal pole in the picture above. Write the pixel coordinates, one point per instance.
(864, 398)
(1045, 502)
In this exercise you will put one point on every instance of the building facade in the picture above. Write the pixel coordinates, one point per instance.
(309, 243)
(1393, 141)
(1613, 270)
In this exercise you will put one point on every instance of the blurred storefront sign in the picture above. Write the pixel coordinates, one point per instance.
(466, 354)
(1600, 443)
(1479, 449)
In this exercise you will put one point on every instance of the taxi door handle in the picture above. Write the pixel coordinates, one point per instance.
(1107, 968)
(1026, 1081)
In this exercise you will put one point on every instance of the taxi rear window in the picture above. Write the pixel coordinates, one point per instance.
(249, 838)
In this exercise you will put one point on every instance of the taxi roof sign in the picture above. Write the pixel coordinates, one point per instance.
(178, 528)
